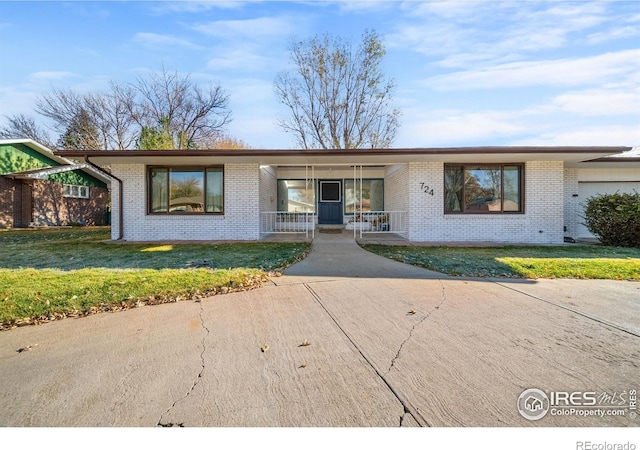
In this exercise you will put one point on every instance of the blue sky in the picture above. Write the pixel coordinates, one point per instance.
(468, 72)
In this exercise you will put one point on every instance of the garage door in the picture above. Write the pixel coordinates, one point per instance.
(591, 189)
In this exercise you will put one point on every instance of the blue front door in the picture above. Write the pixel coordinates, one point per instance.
(330, 202)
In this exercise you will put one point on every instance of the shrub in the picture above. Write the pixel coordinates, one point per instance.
(615, 219)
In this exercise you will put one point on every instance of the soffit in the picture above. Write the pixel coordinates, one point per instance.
(377, 157)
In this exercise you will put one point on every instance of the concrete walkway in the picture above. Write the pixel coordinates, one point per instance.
(344, 338)
(336, 256)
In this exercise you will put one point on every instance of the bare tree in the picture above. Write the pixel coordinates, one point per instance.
(62, 106)
(116, 118)
(195, 115)
(81, 134)
(337, 96)
(24, 127)
(111, 112)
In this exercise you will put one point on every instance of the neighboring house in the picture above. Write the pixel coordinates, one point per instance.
(469, 194)
(38, 188)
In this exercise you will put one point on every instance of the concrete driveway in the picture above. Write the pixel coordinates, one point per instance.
(344, 338)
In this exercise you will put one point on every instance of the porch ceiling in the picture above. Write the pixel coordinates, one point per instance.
(379, 157)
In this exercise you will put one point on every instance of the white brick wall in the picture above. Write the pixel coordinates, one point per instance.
(268, 189)
(239, 222)
(542, 222)
(249, 189)
(572, 208)
(396, 188)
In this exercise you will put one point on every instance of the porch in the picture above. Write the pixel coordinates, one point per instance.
(362, 224)
(337, 234)
(359, 199)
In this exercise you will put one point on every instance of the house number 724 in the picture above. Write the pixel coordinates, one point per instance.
(426, 189)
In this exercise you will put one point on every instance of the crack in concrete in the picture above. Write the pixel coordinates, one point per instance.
(415, 325)
(406, 405)
(195, 382)
(573, 310)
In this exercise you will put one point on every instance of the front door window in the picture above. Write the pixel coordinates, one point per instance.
(330, 191)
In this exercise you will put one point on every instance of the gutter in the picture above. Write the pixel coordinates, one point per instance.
(120, 194)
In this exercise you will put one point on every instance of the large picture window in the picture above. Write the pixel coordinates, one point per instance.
(186, 190)
(295, 196)
(372, 196)
(483, 188)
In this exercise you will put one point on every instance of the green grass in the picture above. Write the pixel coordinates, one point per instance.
(575, 261)
(49, 274)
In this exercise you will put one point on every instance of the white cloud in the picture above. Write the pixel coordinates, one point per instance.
(476, 31)
(255, 110)
(49, 76)
(598, 116)
(357, 5)
(262, 27)
(446, 127)
(560, 72)
(435, 39)
(452, 9)
(625, 135)
(244, 57)
(16, 101)
(600, 102)
(197, 7)
(162, 40)
(613, 33)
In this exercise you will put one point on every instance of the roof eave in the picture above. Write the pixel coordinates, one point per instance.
(351, 156)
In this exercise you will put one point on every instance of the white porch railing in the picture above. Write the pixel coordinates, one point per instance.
(380, 222)
(287, 222)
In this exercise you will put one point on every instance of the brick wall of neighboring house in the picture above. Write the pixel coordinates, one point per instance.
(7, 194)
(240, 220)
(41, 202)
(15, 203)
(23, 204)
(89, 211)
(542, 222)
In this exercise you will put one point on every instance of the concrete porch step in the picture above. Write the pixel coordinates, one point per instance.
(339, 226)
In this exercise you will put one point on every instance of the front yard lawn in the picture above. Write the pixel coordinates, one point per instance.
(50, 274)
(571, 261)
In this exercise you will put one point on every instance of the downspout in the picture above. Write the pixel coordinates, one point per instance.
(120, 194)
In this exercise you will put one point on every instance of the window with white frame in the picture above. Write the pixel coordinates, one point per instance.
(75, 191)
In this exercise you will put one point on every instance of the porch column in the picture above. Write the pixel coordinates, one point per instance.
(310, 171)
